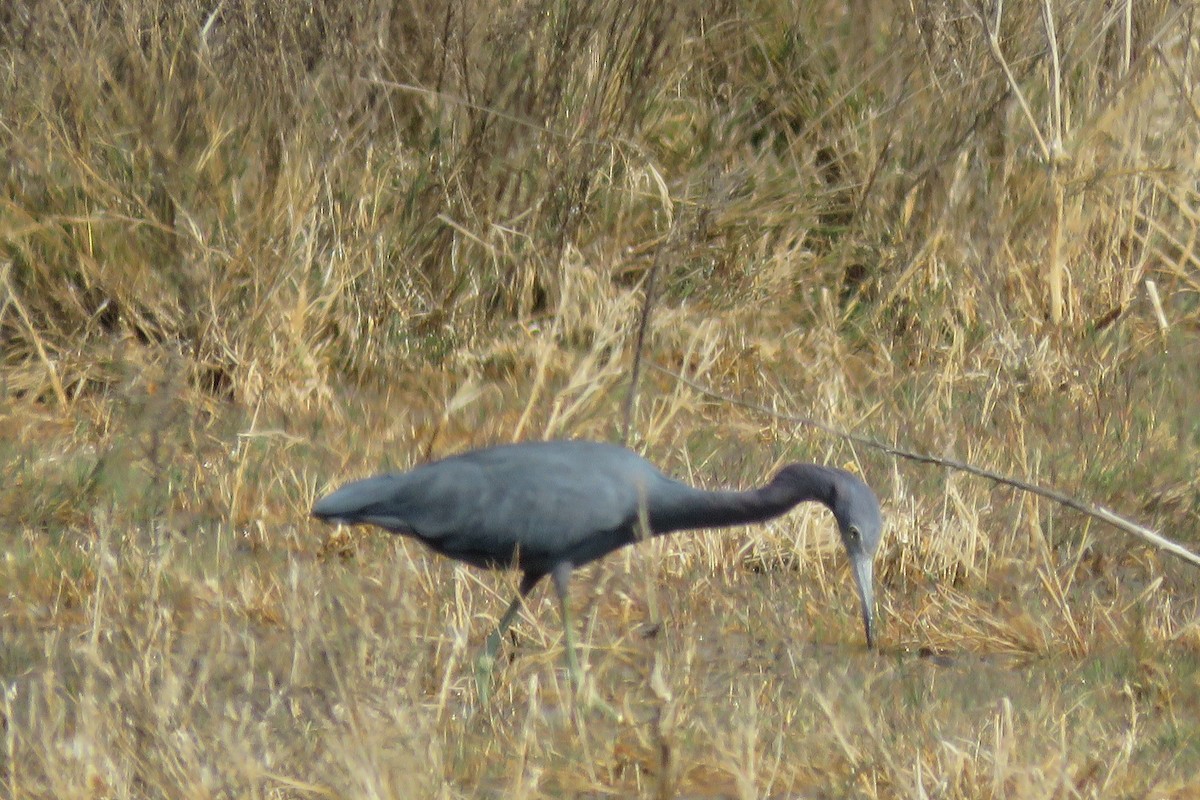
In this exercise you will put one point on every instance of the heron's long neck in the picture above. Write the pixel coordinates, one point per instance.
(696, 508)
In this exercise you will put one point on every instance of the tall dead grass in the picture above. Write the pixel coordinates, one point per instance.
(250, 249)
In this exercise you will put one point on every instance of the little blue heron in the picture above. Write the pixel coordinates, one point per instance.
(548, 507)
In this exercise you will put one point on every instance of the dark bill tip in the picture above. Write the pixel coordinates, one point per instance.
(865, 582)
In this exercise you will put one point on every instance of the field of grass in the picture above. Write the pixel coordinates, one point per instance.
(252, 250)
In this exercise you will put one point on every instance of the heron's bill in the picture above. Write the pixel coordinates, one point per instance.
(864, 580)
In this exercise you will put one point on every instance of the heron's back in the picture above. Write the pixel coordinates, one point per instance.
(534, 503)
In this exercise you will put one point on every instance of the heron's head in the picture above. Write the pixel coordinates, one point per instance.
(860, 522)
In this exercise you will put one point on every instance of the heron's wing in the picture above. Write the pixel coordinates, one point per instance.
(549, 501)
(543, 507)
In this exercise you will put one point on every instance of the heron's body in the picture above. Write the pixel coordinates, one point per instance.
(524, 505)
(547, 507)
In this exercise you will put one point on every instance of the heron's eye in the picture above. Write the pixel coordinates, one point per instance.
(854, 534)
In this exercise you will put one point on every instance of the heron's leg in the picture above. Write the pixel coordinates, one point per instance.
(487, 658)
(561, 574)
(585, 695)
(496, 636)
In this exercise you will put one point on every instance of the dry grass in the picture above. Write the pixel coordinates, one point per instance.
(250, 250)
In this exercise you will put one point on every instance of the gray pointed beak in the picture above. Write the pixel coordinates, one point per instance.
(863, 571)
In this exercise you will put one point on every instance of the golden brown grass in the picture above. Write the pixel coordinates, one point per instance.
(251, 250)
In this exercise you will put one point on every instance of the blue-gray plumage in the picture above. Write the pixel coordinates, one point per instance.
(548, 507)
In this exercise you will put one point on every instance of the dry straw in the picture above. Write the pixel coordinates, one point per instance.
(1091, 509)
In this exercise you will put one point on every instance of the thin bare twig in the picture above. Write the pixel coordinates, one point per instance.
(640, 343)
(1092, 510)
(651, 295)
